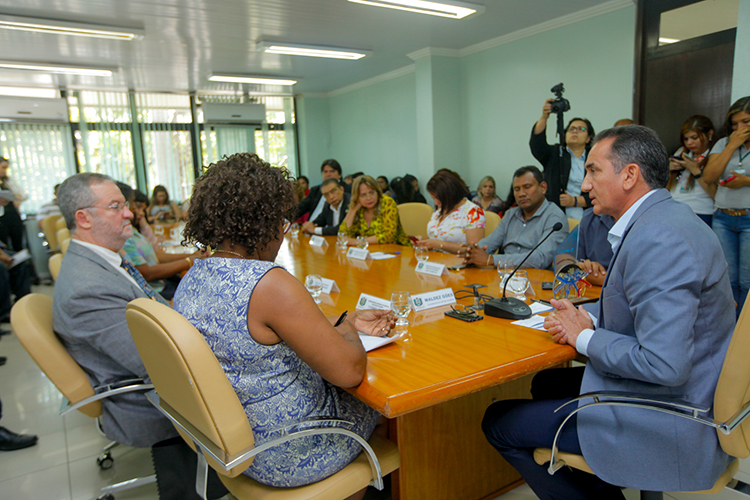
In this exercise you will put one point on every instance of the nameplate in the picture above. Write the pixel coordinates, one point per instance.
(329, 286)
(371, 302)
(429, 300)
(318, 241)
(432, 268)
(358, 253)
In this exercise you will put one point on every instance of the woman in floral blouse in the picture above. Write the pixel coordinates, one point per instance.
(456, 220)
(372, 215)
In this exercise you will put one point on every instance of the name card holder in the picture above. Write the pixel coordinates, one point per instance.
(432, 268)
(428, 300)
(358, 253)
(329, 286)
(318, 241)
(371, 302)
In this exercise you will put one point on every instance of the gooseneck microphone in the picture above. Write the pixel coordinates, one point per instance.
(511, 308)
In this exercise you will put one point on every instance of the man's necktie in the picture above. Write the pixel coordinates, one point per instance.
(138, 277)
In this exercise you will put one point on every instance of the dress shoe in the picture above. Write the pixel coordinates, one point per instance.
(5, 332)
(11, 441)
(3, 359)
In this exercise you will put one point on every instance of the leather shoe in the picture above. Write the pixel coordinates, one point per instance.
(5, 332)
(3, 359)
(11, 441)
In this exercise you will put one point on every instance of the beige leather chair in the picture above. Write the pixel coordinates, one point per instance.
(31, 318)
(414, 218)
(572, 223)
(194, 393)
(62, 234)
(54, 264)
(64, 244)
(50, 231)
(492, 220)
(731, 408)
(60, 224)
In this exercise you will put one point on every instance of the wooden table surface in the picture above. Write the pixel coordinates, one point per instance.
(438, 358)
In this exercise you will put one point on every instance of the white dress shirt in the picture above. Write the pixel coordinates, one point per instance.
(108, 255)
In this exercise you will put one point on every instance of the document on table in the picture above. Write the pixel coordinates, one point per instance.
(369, 342)
(382, 255)
(539, 308)
(536, 322)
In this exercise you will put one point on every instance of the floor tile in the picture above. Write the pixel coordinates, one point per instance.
(85, 441)
(87, 479)
(48, 484)
(49, 451)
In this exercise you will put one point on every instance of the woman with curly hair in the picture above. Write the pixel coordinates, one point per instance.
(285, 360)
(372, 215)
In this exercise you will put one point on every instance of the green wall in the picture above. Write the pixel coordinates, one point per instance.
(741, 76)
(314, 135)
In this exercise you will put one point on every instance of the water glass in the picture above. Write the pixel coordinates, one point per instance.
(341, 239)
(174, 233)
(294, 229)
(314, 285)
(518, 285)
(158, 229)
(421, 253)
(362, 242)
(401, 307)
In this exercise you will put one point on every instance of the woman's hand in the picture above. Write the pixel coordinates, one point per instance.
(739, 137)
(374, 322)
(691, 165)
(740, 180)
(676, 165)
(547, 108)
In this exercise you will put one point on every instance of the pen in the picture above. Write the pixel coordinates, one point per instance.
(341, 319)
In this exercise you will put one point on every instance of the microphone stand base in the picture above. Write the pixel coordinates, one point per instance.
(507, 308)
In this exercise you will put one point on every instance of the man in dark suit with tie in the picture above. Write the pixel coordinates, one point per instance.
(334, 211)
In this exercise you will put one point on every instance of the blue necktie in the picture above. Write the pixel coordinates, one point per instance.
(138, 277)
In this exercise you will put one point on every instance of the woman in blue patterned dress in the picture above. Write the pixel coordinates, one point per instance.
(286, 361)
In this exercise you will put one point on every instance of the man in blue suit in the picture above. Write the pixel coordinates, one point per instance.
(662, 327)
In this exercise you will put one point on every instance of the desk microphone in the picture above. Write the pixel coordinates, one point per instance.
(511, 308)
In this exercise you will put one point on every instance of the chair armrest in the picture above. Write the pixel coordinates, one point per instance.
(106, 393)
(673, 402)
(228, 462)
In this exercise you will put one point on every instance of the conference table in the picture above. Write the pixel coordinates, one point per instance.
(436, 380)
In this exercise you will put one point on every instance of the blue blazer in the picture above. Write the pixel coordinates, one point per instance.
(666, 316)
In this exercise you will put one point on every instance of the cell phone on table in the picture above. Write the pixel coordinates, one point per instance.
(546, 285)
(728, 179)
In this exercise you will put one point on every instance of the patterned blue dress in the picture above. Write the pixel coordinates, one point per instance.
(273, 384)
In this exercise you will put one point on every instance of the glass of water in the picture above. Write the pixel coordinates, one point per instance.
(421, 253)
(341, 239)
(158, 229)
(362, 242)
(294, 229)
(314, 285)
(518, 285)
(401, 307)
(174, 233)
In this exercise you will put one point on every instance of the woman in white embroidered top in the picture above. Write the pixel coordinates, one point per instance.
(456, 220)
(686, 182)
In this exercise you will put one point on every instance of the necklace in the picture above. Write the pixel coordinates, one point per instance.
(742, 157)
(230, 253)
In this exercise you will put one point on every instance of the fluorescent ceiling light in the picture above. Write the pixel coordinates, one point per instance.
(311, 51)
(258, 80)
(59, 27)
(29, 92)
(667, 41)
(57, 68)
(446, 8)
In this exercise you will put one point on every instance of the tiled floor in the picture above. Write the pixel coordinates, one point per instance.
(62, 466)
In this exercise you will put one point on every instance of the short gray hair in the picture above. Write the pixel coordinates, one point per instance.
(640, 145)
(75, 193)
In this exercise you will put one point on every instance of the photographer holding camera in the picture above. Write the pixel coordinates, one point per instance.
(563, 163)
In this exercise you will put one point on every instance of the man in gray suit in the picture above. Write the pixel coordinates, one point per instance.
(91, 293)
(662, 328)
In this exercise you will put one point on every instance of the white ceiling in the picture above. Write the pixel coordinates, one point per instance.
(186, 40)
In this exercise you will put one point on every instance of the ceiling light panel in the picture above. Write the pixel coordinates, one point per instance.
(57, 68)
(258, 80)
(29, 92)
(450, 9)
(59, 27)
(311, 51)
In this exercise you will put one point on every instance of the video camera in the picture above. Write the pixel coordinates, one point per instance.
(560, 105)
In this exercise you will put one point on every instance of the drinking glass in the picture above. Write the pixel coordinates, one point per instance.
(421, 253)
(518, 284)
(401, 307)
(504, 268)
(341, 239)
(362, 242)
(294, 230)
(158, 229)
(174, 234)
(314, 285)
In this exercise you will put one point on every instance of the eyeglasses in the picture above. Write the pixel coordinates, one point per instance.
(576, 129)
(115, 207)
(286, 226)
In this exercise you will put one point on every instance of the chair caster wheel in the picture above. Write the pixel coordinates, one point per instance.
(105, 462)
(106, 496)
